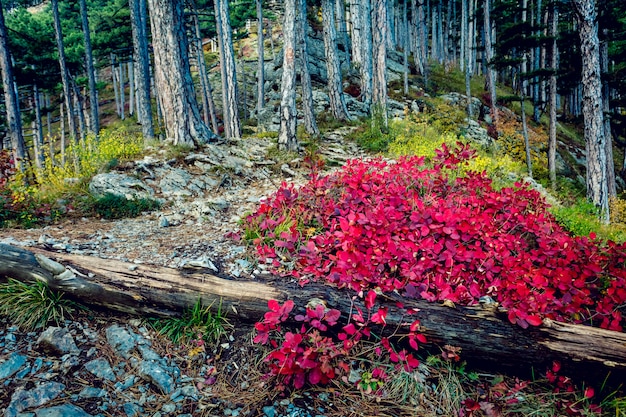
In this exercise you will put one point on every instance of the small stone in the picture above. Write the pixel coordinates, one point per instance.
(57, 341)
(101, 368)
(132, 410)
(65, 410)
(269, 411)
(121, 340)
(91, 392)
(11, 365)
(38, 396)
(164, 222)
(152, 372)
(168, 408)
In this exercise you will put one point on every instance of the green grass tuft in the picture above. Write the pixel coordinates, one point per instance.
(34, 305)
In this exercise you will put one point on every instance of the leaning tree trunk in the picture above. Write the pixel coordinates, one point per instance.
(595, 139)
(208, 105)
(335, 90)
(142, 66)
(14, 121)
(232, 127)
(65, 76)
(379, 42)
(287, 135)
(91, 72)
(485, 335)
(310, 124)
(173, 81)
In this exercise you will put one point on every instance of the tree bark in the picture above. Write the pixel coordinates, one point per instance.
(38, 131)
(65, 76)
(173, 81)
(91, 72)
(142, 66)
(260, 73)
(342, 27)
(287, 140)
(485, 336)
(490, 74)
(232, 127)
(595, 139)
(335, 89)
(208, 105)
(606, 110)
(310, 124)
(379, 43)
(367, 56)
(14, 121)
(553, 86)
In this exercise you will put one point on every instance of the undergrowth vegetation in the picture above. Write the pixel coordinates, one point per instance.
(43, 195)
(34, 305)
(428, 229)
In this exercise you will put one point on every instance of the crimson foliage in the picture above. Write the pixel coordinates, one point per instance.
(432, 233)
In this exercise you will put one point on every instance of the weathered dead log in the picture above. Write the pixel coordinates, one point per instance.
(485, 335)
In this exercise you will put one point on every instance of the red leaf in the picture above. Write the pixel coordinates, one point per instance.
(369, 299)
(589, 392)
(534, 320)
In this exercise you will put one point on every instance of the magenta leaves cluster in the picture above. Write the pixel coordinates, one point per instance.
(438, 233)
(316, 353)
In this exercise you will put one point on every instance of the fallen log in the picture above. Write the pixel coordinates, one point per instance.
(485, 336)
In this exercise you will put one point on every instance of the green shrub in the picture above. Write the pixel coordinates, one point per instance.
(112, 206)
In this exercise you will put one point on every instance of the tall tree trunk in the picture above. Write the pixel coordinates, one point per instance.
(91, 72)
(490, 76)
(467, 56)
(405, 48)
(121, 82)
(335, 90)
(553, 86)
(342, 27)
(63, 139)
(310, 124)
(208, 105)
(260, 72)
(79, 101)
(367, 54)
(14, 121)
(287, 135)
(356, 29)
(537, 67)
(116, 85)
(138, 21)
(176, 96)
(38, 131)
(65, 76)
(595, 139)
(232, 127)
(131, 87)
(529, 163)
(379, 42)
(606, 109)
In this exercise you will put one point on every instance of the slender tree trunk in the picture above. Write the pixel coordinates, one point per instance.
(310, 124)
(14, 121)
(335, 90)
(38, 132)
(529, 163)
(356, 28)
(65, 77)
(62, 129)
(260, 73)
(489, 72)
(208, 105)
(122, 88)
(242, 91)
(405, 48)
(467, 54)
(232, 128)
(176, 96)
(116, 86)
(553, 86)
(78, 97)
(342, 27)
(537, 67)
(271, 35)
(287, 135)
(379, 42)
(138, 20)
(595, 139)
(91, 72)
(367, 53)
(606, 109)
(131, 88)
